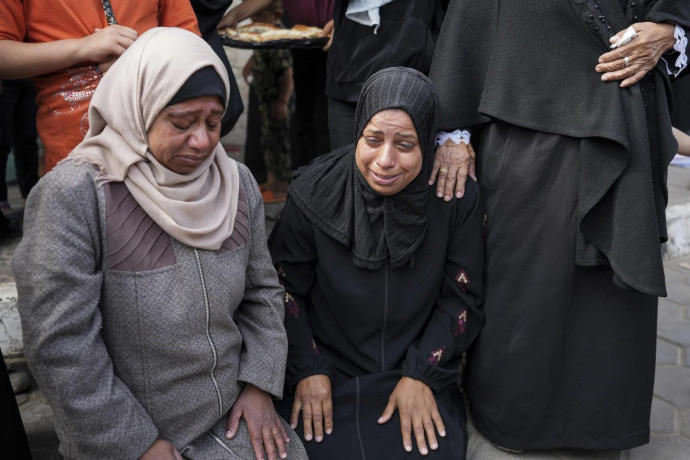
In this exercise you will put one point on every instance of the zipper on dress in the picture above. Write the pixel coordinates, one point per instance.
(385, 318)
(222, 444)
(359, 433)
(208, 332)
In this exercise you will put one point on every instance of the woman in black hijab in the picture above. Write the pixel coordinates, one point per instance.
(383, 286)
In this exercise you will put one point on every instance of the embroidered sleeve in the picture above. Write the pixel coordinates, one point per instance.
(294, 255)
(436, 357)
(456, 136)
(679, 49)
(304, 356)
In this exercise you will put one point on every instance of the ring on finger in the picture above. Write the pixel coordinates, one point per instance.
(626, 59)
(443, 170)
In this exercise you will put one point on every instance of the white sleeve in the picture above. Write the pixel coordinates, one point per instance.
(680, 47)
(456, 136)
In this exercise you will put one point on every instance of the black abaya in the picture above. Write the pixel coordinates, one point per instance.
(566, 358)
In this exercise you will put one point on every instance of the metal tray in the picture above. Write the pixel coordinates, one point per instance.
(272, 44)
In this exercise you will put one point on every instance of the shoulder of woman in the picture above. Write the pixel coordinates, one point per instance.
(248, 184)
(471, 196)
(458, 210)
(70, 173)
(65, 195)
(69, 178)
(294, 214)
(470, 201)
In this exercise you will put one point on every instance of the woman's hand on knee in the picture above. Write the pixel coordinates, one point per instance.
(313, 398)
(418, 414)
(266, 431)
(161, 450)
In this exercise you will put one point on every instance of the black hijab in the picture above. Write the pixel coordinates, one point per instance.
(336, 198)
(203, 82)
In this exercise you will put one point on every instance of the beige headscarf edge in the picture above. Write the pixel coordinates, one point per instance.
(198, 208)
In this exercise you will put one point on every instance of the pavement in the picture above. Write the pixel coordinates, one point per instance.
(670, 418)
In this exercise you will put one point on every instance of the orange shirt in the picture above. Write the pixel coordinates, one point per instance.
(63, 96)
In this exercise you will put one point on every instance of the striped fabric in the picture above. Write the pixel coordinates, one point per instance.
(136, 243)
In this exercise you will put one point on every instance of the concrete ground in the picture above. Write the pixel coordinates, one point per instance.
(670, 419)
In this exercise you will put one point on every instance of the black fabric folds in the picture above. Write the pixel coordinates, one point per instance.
(376, 229)
(490, 58)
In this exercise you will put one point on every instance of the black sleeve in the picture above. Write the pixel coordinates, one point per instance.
(457, 317)
(294, 255)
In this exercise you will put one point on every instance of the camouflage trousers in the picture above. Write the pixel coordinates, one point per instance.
(275, 141)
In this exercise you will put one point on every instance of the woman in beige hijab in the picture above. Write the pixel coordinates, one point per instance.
(151, 313)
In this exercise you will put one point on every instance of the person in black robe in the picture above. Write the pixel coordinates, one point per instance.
(573, 140)
(383, 286)
(406, 37)
(208, 14)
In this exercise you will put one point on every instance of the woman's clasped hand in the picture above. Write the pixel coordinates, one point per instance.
(631, 62)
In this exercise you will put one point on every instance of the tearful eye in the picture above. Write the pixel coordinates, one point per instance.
(372, 140)
(180, 127)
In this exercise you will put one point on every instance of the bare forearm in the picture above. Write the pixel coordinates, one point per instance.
(243, 11)
(251, 7)
(24, 60)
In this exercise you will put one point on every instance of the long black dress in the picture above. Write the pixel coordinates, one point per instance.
(572, 170)
(366, 328)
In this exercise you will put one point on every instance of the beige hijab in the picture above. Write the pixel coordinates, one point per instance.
(198, 208)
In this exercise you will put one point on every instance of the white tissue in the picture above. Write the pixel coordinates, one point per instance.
(628, 35)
